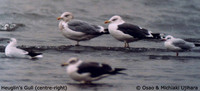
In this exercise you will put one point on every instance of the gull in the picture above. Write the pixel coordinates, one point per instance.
(78, 30)
(86, 72)
(178, 45)
(12, 51)
(127, 32)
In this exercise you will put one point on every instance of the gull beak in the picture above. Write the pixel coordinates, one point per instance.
(59, 18)
(163, 39)
(107, 21)
(64, 64)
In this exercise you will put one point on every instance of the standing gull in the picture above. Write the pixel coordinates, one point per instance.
(12, 51)
(87, 72)
(78, 30)
(127, 32)
(177, 44)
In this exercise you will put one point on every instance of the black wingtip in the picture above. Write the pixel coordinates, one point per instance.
(106, 31)
(118, 71)
(156, 35)
(33, 54)
(197, 44)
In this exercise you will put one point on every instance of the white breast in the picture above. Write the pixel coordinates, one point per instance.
(73, 35)
(170, 46)
(72, 72)
(15, 52)
(70, 33)
(118, 34)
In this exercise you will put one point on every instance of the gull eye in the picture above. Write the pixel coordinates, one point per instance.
(66, 15)
(168, 37)
(114, 19)
(72, 61)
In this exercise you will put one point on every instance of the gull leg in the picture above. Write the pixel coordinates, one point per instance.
(176, 53)
(82, 82)
(126, 44)
(86, 82)
(77, 43)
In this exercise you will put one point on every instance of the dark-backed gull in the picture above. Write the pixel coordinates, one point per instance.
(127, 32)
(86, 72)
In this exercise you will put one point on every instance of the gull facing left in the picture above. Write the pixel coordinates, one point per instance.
(12, 51)
(86, 72)
(78, 30)
(178, 45)
(127, 32)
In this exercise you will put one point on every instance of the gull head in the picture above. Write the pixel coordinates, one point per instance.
(12, 42)
(71, 61)
(66, 16)
(168, 37)
(115, 19)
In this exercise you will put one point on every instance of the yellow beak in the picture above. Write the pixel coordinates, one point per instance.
(59, 18)
(64, 64)
(107, 21)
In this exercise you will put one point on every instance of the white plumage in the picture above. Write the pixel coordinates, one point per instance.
(78, 30)
(12, 51)
(177, 44)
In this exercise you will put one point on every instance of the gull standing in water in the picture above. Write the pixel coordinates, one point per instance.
(127, 32)
(177, 44)
(78, 30)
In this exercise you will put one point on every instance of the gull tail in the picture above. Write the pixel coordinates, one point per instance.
(151, 35)
(118, 71)
(158, 35)
(103, 30)
(197, 45)
(106, 31)
(33, 54)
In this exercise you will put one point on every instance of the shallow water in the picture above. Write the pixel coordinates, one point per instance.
(148, 63)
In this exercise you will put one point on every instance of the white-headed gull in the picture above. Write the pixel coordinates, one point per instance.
(86, 72)
(78, 30)
(12, 51)
(177, 44)
(127, 32)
